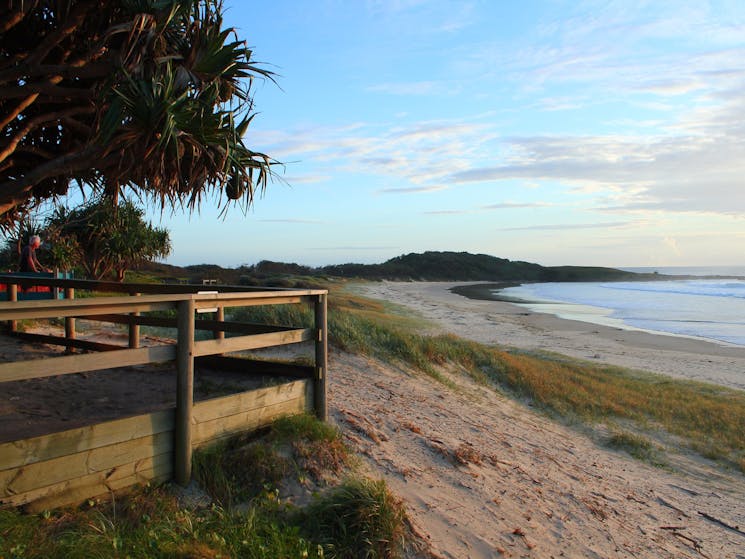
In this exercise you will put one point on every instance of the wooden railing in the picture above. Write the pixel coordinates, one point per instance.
(189, 304)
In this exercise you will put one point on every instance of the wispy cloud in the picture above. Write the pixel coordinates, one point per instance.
(305, 179)
(516, 205)
(427, 88)
(569, 226)
(353, 248)
(412, 189)
(293, 220)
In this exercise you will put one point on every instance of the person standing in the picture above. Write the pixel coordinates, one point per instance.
(28, 261)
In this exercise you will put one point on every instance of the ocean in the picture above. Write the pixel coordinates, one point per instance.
(704, 308)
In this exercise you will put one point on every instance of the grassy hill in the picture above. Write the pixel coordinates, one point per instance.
(427, 266)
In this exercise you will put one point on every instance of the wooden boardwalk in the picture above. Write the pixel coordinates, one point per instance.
(70, 466)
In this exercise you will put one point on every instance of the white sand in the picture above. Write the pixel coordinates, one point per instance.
(483, 476)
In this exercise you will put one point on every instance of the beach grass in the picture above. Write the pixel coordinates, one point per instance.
(355, 517)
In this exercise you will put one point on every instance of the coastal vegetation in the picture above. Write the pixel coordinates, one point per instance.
(241, 515)
(151, 98)
(98, 240)
(427, 266)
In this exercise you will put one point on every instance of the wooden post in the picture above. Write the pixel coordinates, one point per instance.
(13, 296)
(184, 392)
(134, 330)
(69, 321)
(220, 334)
(321, 369)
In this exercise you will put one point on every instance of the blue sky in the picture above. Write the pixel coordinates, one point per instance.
(587, 133)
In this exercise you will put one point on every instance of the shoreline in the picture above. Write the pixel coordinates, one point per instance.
(486, 292)
(505, 324)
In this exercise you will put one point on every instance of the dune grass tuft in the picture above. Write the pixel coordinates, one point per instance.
(360, 518)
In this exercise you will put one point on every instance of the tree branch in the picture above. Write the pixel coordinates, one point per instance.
(23, 105)
(47, 88)
(73, 22)
(80, 68)
(14, 17)
(34, 122)
(15, 192)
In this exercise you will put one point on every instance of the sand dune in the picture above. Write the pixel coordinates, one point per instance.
(483, 476)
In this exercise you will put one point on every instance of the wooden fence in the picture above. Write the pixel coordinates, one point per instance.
(67, 467)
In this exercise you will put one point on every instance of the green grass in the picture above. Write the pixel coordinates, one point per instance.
(150, 524)
(241, 468)
(355, 518)
(636, 445)
(360, 518)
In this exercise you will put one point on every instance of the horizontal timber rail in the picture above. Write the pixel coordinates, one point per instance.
(181, 307)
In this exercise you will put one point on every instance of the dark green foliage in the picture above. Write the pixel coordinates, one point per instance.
(428, 266)
(148, 95)
(235, 472)
(104, 239)
(149, 524)
(463, 266)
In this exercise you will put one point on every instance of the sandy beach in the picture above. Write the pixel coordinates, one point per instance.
(508, 325)
(483, 476)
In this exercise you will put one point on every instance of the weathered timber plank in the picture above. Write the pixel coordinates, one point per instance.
(239, 343)
(151, 288)
(101, 491)
(72, 466)
(46, 447)
(66, 341)
(184, 393)
(208, 410)
(242, 327)
(130, 320)
(112, 305)
(247, 421)
(214, 325)
(207, 301)
(39, 368)
(75, 491)
(321, 369)
(91, 306)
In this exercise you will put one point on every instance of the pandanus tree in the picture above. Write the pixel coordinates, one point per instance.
(152, 96)
(103, 240)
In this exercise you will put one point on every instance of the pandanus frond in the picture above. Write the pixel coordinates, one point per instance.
(157, 99)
